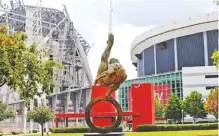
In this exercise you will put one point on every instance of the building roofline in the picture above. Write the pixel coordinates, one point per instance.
(172, 30)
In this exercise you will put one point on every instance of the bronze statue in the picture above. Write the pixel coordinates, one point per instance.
(113, 74)
(109, 75)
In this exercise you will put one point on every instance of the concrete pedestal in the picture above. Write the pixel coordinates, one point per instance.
(107, 134)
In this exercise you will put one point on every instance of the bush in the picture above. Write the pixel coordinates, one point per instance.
(3, 134)
(34, 131)
(198, 122)
(14, 133)
(69, 130)
(176, 127)
(77, 130)
(206, 121)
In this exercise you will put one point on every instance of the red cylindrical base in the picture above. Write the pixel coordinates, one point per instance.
(102, 107)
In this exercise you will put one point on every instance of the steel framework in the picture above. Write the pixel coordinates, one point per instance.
(52, 29)
(55, 35)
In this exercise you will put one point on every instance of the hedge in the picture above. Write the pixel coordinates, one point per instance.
(77, 130)
(176, 127)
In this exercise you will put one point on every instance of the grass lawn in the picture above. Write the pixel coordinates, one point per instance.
(175, 133)
(169, 133)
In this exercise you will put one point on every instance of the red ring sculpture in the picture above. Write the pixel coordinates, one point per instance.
(106, 129)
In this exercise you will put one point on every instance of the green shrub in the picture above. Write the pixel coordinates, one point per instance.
(176, 127)
(35, 131)
(77, 130)
(3, 134)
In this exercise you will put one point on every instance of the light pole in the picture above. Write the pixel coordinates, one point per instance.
(182, 116)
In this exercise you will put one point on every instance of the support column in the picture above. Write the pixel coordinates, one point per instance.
(138, 73)
(175, 54)
(76, 107)
(66, 122)
(143, 64)
(67, 101)
(155, 60)
(66, 107)
(54, 99)
(205, 47)
(88, 96)
(44, 103)
(17, 121)
(31, 121)
(25, 120)
(56, 123)
(39, 103)
(46, 127)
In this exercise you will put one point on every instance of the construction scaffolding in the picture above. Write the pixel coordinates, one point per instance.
(53, 32)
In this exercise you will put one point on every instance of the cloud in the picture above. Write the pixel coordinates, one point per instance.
(130, 18)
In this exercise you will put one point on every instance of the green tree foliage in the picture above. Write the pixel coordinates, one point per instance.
(174, 108)
(194, 105)
(211, 104)
(4, 112)
(216, 2)
(21, 67)
(41, 115)
(159, 110)
(215, 57)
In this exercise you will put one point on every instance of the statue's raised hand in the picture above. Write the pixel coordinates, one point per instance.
(110, 39)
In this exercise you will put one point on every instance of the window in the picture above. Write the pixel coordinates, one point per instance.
(163, 46)
(211, 76)
(210, 87)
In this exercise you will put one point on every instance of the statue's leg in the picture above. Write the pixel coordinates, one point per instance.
(112, 89)
(105, 56)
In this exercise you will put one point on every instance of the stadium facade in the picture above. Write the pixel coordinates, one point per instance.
(176, 58)
(53, 31)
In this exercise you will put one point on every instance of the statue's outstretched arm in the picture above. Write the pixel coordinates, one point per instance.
(106, 53)
(105, 56)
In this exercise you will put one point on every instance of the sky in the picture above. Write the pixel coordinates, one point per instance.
(130, 18)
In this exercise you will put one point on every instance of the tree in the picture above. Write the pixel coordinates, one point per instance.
(21, 67)
(159, 110)
(4, 112)
(41, 115)
(211, 104)
(216, 2)
(215, 57)
(174, 108)
(194, 105)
